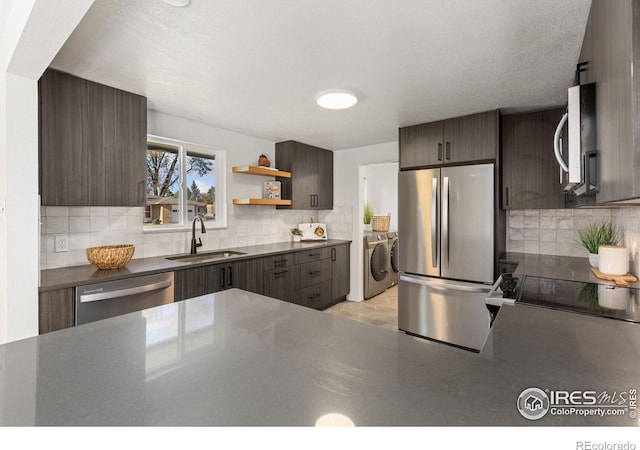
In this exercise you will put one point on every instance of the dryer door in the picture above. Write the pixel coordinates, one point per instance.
(379, 262)
(394, 256)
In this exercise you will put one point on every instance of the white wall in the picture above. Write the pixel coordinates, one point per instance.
(349, 190)
(382, 190)
(32, 33)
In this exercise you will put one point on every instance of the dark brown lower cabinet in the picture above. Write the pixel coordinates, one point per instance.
(314, 272)
(189, 283)
(315, 279)
(55, 310)
(248, 274)
(340, 270)
(317, 296)
(278, 283)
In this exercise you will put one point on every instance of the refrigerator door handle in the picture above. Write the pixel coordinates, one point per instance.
(434, 234)
(445, 222)
(443, 284)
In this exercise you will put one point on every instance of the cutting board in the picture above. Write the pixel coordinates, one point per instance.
(621, 280)
(313, 231)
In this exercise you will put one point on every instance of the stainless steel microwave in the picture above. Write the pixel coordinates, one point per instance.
(575, 141)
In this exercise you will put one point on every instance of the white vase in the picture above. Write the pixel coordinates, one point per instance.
(367, 227)
(296, 238)
(594, 259)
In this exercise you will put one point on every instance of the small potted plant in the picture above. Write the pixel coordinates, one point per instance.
(296, 233)
(367, 215)
(596, 234)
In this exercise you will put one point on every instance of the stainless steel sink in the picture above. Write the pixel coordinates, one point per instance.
(205, 256)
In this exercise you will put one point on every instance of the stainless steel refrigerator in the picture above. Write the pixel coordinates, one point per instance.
(446, 218)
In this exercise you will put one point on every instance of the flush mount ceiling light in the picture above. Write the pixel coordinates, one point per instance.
(179, 3)
(337, 100)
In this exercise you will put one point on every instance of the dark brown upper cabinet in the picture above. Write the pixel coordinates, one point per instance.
(92, 143)
(530, 172)
(464, 139)
(311, 182)
(611, 44)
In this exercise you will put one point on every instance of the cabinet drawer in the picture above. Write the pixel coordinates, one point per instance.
(278, 283)
(313, 254)
(278, 261)
(311, 273)
(317, 296)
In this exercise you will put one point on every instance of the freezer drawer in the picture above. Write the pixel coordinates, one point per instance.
(451, 312)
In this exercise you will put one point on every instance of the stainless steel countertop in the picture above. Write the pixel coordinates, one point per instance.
(236, 358)
(63, 277)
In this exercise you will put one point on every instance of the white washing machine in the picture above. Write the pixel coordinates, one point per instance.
(392, 242)
(376, 264)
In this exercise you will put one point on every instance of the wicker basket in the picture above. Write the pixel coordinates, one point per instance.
(380, 223)
(110, 256)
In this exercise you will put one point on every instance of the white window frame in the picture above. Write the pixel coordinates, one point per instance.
(220, 221)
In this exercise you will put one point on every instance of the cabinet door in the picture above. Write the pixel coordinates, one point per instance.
(311, 182)
(421, 145)
(189, 283)
(586, 53)
(64, 168)
(530, 173)
(324, 189)
(55, 310)
(92, 143)
(129, 143)
(215, 278)
(305, 165)
(471, 138)
(615, 44)
(278, 283)
(340, 269)
(248, 274)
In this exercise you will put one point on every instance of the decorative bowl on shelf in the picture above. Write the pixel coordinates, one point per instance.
(110, 256)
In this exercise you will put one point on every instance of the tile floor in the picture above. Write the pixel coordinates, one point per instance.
(381, 310)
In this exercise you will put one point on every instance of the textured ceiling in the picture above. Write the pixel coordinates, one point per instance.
(256, 66)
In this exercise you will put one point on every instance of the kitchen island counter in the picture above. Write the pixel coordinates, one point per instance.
(237, 358)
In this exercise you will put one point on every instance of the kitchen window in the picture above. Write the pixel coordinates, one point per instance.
(183, 180)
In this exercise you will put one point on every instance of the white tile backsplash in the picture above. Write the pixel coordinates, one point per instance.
(57, 224)
(555, 231)
(247, 225)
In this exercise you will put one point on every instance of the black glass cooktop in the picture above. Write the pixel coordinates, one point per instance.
(608, 300)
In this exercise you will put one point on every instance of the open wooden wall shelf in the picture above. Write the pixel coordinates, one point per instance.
(260, 201)
(255, 170)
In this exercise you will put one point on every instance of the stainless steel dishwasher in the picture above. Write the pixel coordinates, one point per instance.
(114, 298)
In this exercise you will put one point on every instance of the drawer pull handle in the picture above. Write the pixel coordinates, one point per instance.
(282, 261)
(311, 297)
(311, 255)
(282, 272)
(314, 272)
